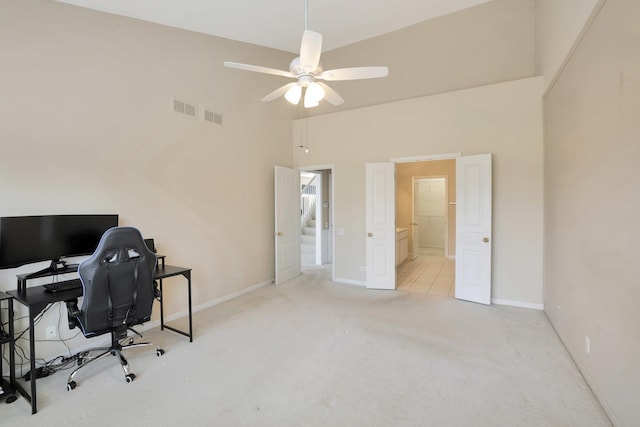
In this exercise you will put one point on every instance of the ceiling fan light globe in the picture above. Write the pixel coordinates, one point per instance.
(310, 103)
(315, 91)
(293, 94)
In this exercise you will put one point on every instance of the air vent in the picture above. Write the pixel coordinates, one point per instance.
(178, 106)
(210, 116)
(190, 110)
(185, 108)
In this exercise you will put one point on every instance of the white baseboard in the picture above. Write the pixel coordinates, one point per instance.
(105, 340)
(211, 303)
(520, 304)
(350, 282)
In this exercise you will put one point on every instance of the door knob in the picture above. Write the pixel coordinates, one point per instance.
(486, 240)
(369, 234)
(278, 233)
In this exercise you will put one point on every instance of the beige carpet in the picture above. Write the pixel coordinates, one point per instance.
(315, 353)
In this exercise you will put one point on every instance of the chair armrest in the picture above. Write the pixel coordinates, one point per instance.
(156, 291)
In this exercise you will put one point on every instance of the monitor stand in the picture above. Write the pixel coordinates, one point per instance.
(57, 266)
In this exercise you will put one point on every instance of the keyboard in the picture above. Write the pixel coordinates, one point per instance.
(66, 285)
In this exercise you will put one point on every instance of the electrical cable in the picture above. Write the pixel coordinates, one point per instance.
(58, 363)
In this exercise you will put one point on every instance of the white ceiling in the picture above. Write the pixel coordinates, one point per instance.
(279, 23)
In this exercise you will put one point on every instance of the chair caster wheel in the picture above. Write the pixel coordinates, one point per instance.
(71, 385)
(130, 377)
(159, 352)
(11, 399)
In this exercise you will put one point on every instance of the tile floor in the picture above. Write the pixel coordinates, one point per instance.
(430, 273)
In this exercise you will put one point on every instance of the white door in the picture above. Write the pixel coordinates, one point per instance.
(287, 226)
(414, 222)
(473, 228)
(319, 217)
(432, 212)
(381, 225)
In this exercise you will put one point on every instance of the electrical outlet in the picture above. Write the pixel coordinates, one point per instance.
(587, 344)
(51, 332)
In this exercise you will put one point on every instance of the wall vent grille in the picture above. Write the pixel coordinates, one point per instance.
(186, 108)
(212, 117)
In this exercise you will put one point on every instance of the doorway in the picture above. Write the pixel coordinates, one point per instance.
(430, 219)
(425, 205)
(316, 219)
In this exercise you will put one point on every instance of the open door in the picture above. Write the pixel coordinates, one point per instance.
(287, 224)
(473, 228)
(414, 219)
(381, 225)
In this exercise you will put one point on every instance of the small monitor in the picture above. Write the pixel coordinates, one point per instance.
(151, 245)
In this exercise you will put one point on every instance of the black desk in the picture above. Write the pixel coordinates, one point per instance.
(36, 298)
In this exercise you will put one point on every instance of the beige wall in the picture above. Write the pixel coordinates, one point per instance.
(592, 198)
(503, 119)
(86, 126)
(558, 25)
(489, 43)
(404, 194)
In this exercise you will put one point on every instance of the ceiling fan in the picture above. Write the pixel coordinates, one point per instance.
(307, 69)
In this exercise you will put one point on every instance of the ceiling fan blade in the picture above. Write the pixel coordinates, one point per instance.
(310, 50)
(354, 73)
(258, 69)
(278, 92)
(331, 95)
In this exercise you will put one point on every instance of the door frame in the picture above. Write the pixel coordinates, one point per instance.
(332, 207)
(428, 158)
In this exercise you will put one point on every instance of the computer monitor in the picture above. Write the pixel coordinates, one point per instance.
(150, 244)
(30, 239)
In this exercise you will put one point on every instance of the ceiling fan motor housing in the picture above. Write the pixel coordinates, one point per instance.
(301, 70)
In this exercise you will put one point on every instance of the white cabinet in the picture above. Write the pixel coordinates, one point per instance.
(402, 245)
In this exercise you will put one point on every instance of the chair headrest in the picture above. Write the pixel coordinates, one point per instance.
(121, 244)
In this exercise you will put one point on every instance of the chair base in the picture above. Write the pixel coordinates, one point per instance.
(116, 349)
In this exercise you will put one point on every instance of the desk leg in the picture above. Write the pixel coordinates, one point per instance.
(32, 362)
(31, 398)
(12, 348)
(190, 320)
(161, 307)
